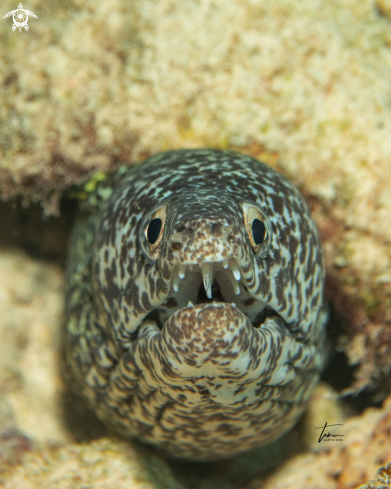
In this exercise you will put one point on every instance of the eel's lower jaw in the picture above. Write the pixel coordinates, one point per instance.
(207, 339)
(217, 347)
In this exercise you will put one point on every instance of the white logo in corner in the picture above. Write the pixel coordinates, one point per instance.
(20, 17)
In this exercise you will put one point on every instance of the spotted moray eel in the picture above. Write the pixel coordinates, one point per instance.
(194, 303)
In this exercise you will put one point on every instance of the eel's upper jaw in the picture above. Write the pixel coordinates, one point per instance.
(207, 270)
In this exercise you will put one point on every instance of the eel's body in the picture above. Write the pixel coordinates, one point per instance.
(230, 235)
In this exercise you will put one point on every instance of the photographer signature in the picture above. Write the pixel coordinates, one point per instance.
(327, 434)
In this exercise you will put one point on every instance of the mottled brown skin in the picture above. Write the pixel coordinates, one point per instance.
(236, 369)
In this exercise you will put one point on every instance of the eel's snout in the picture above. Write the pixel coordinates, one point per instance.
(207, 240)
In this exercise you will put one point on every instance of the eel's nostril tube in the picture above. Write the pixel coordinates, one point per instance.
(222, 231)
(177, 240)
(175, 246)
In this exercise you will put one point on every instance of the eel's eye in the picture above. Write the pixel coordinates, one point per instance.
(259, 232)
(257, 227)
(151, 232)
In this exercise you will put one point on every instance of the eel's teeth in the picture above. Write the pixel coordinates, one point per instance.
(175, 280)
(207, 275)
(225, 264)
(190, 304)
(190, 267)
(182, 271)
(234, 269)
(234, 283)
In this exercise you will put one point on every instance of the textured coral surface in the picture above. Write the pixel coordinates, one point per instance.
(382, 481)
(305, 86)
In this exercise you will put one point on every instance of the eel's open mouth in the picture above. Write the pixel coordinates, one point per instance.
(207, 269)
(208, 283)
(217, 296)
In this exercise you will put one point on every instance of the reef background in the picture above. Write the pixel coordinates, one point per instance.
(304, 86)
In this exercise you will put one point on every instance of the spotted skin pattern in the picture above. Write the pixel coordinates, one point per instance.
(229, 370)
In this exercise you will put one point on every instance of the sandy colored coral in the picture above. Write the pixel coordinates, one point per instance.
(383, 480)
(31, 305)
(106, 464)
(302, 85)
(340, 465)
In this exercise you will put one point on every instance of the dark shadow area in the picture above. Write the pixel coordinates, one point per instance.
(27, 228)
(338, 373)
(79, 419)
(239, 471)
